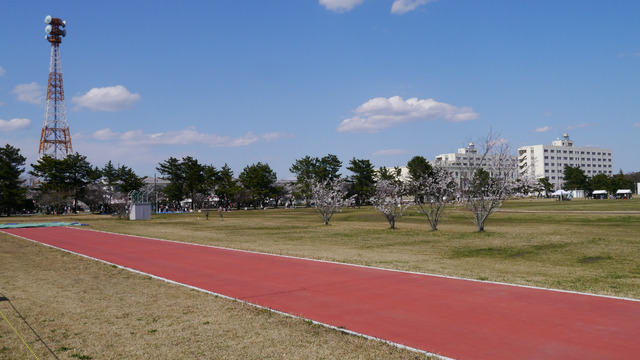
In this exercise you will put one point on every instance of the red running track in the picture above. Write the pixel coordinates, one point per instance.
(452, 317)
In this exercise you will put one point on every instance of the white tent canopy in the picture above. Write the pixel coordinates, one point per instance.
(600, 192)
(560, 193)
(625, 191)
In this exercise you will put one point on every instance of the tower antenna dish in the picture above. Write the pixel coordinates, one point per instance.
(55, 139)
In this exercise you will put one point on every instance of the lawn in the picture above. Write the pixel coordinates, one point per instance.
(84, 308)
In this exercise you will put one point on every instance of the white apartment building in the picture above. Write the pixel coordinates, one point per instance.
(461, 162)
(548, 161)
(464, 161)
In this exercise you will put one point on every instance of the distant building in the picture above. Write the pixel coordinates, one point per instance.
(548, 161)
(467, 159)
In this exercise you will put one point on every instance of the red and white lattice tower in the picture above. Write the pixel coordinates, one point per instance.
(55, 140)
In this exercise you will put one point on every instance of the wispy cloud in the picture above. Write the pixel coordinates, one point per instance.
(14, 124)
(273, 136)
(340, 5)
(578, 126)
(381, 113)
(2, 71)
(543, 129)
(30, 93)
(187, 136)
(398, 6)
(390, 152)
(405, 6)
(105, 134)
(636, 125)
(113, 98)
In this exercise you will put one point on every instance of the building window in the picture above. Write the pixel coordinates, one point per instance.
(546, 157)
(546, 164)
(545, 150)
(552, 150)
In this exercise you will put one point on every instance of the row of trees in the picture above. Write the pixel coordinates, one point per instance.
(189, 179)
(489, 180)
(61, 182)
(575, 178)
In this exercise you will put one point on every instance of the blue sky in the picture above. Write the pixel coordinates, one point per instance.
(244, 81)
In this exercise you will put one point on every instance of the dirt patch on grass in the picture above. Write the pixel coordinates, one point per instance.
(593, 259)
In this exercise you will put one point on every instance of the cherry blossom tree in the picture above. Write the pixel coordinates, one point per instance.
(492, 178)
(432, 193)
(387, 198)
(328, 197)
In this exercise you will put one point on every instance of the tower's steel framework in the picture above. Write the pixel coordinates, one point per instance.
(55, 140)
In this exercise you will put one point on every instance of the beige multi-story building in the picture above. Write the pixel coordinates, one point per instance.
(461, 163)
(548, 161)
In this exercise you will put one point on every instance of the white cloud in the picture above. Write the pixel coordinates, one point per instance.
(381, 113)
(340, 5)
(543, 129)
(113, 98)
(404, 6)
(390, 152)
(31, 93)
(276, 136)
(14, 124)
(105, 134)
(187, 136)
(2, 71)
(583, 125)
(636, 125)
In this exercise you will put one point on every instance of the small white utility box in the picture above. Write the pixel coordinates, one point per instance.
(140, 211)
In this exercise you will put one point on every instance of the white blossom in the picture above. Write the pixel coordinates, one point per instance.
(388, 200)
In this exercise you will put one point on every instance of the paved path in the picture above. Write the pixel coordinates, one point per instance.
(452, 317)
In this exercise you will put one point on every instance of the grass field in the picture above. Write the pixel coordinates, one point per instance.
(85, 309)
